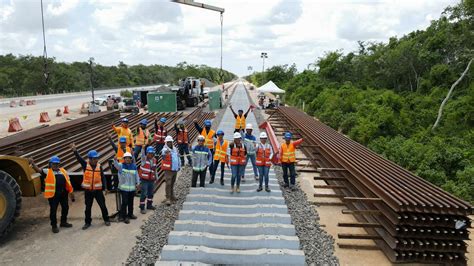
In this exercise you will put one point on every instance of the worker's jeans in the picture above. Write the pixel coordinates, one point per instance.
(53, 207)
(202, 177)
(170, 179)
(98, 195)
(237, 172)
(252, 158)
(263, 174)
(211, 167)
(136, 151)
(146, 193)
(127, 203)
(184, 151)
(289, 166)
(214, 170)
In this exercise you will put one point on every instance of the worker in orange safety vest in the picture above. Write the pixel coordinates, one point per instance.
(288, 159)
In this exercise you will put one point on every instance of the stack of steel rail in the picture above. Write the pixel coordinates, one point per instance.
(409, 219)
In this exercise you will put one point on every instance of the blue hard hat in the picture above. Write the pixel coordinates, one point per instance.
(144, 122)
(288, 135)
(124, 120)
(163, 120)
(207, 122)
(220, 132)
(54, 159)
(93, 154)
(122, 139)
(150, 149)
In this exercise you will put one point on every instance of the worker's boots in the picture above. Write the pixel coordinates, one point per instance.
(142, 211)
(232, 189)
(55, 229)
(259, 189)
(222, 181)
(267, 189)
(237, 189)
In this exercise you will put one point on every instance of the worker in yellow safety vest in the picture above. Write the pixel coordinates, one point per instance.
(288, 159)
(142, 138)
(57, 187)
(124, 131)
(209, 135)
(240, 119)
(220, 156)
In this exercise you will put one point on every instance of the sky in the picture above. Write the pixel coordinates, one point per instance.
(161, 32)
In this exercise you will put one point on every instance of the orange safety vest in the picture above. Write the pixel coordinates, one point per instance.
(166, 162)
(263, 156)
(209, 142)
(125, 132)
(142, 137)
(120, 153)
(160, 135)
(147, 170)
(288, 153)
(240, 122)
(183, 136)
(237, 155)
(92, 179)
(50, 183)
(221, 151)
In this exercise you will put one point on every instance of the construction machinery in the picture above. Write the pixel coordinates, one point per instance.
(190, 92)
(17, 179)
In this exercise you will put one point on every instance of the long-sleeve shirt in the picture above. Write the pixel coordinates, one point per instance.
(128, 176)
(175, 160)
(84, 166)
(202, 157)
(296, 143)
(250, 141)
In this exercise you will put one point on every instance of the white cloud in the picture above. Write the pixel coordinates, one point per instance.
(81, 44)
(62, 7)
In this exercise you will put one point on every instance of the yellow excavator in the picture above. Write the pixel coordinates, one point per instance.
(17, 179)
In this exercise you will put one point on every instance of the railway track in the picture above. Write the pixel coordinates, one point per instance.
(409, 219)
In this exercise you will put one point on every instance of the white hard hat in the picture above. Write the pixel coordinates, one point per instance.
(263, 135)
(249, 126)
(201, 137)
(127, 154)
(237, 135)
(168, 138)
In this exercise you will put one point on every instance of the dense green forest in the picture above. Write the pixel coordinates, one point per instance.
(387, 95)
(23, 75)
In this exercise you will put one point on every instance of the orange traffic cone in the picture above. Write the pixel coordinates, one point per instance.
(44, 117)
(66, 110)
(14, 125)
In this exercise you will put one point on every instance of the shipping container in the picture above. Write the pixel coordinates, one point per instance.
(215, 100)
(161, 102)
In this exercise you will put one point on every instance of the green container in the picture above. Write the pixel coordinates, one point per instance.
(215, 100)
(161, 102)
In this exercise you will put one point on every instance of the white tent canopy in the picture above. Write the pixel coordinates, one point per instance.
(270, 87)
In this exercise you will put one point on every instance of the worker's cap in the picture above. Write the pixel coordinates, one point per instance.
(124, 120)
(237, 135)
(288, 135)
(144, 121)
(93, 154)
(240, 111)
(263, 135)
(249, 126)
(201, 137)
(207, 123)
(180, 122)
(169, 138)
(122, 139)
(220, 132)
(163, 120)
(150, 149)
(54, 159)
(127, 154)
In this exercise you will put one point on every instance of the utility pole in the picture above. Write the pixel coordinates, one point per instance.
(208, 7)
(263, 55)
(91, 64)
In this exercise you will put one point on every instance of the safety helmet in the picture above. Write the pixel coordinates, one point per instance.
(207, 123)
(93, 154)
(288, 135)
(201, 137)
(54, 159)
(150, 149)
(220, 132)
(123, 139)
(263, 135)
(127, 154)
(237, 135)
(124, 120)
(163, 120)
(249, 126)
(144, 121)
(168, 138)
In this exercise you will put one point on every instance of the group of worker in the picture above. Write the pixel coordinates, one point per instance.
(210, 151)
